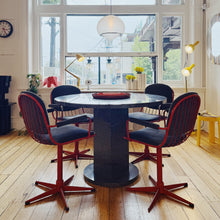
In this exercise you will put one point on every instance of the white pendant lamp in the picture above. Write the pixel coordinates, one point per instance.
(110, 27)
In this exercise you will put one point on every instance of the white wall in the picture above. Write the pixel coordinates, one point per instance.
(212, 70)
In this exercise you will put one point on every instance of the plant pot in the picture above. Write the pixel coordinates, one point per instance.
(129, 84)
(141, 81)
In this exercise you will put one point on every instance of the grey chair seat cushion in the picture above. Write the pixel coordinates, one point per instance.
(66, 133)
(155, 137)
(143, 116)
(148, 135)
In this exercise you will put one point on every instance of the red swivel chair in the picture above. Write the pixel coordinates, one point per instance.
(180, 123)
(37, 124)
(154, 113)
(61, 113)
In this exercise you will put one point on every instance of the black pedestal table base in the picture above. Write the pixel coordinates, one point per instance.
(111, 154)
(120, 181)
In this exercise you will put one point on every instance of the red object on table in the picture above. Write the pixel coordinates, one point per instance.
(111, 95)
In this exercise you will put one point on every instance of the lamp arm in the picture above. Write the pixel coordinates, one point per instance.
(195, 43)
(75, 76)
(186, 60)
(70, 64)
(78, 79)
(186, 89)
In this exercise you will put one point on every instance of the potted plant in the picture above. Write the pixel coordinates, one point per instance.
(130, 83)
(34, 82)
(139, 70)
(141, 78)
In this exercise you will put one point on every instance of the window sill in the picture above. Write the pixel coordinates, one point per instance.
(107, 88)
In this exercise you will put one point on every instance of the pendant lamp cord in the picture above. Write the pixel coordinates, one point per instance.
(110, 7)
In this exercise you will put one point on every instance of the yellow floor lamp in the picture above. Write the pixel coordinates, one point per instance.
(186, 71)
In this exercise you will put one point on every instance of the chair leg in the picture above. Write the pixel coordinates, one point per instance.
(60, 187)
(155, 199)
(159, 188)
(75, 155)
(146, 155)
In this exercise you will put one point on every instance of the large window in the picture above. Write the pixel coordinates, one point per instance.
(139, 36)
(152, 40)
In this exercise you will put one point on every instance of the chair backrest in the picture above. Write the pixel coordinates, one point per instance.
(161, 89)
(64, 90)
(182, 117)
(35, 117)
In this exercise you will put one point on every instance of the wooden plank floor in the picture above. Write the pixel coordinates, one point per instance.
(23, 161)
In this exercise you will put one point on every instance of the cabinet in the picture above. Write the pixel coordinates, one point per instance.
(5, 118)
(5, 107)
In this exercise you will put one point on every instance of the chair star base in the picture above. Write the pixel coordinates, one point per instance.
(161, 189)
(59, 188)
(76, 155)
(146, 155)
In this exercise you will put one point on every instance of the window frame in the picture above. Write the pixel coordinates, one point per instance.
(63, 10)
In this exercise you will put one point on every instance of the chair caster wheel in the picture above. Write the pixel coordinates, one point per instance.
(27, 203)
(93, 190)
(36, 183)
(191, 205)
(67, 209)
(186, 185)
(52, 161)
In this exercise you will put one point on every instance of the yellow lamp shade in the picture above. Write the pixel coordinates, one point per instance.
(190, 48)
(79, 57)
(187, 70)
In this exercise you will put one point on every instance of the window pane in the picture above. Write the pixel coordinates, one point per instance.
(50, 46)
(172, 35)
(114, 2)
(173, 2)
(108, 70)
(115, 71)
(50, 2)
(213, 40)
(215, 36)
(140, 35)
